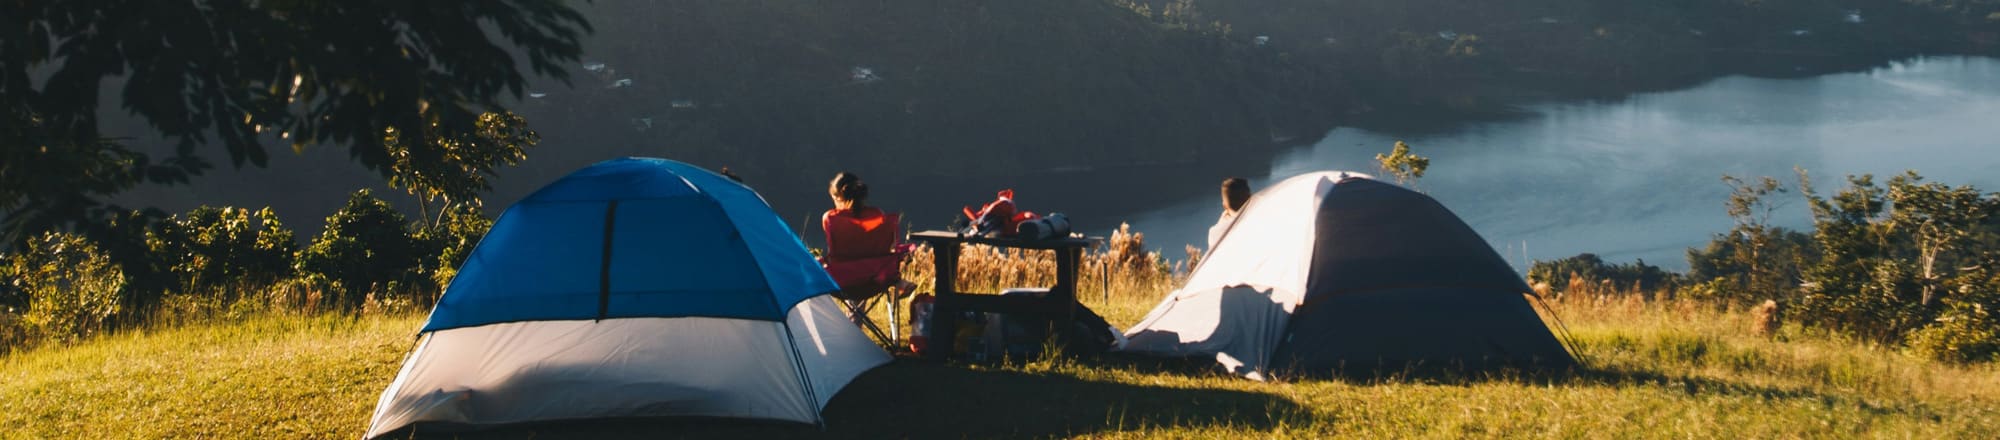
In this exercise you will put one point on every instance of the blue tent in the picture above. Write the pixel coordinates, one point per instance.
(634, 237)
(632, 288)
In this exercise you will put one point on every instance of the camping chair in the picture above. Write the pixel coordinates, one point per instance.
(864, 254)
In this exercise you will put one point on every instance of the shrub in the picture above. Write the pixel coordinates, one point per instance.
(1752, 264)
(71, 288)
(1894, 260)
(451, 241)
(1971, 334)
(1559, 273)
(366, 245)
(1969, 330)
(148, 274)
(211, 250)
(11, 297)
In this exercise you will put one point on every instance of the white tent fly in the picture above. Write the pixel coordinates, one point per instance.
(1334, 269)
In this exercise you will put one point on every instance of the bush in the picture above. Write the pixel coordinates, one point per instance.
(366, 246)
(1897, 259)
(1586, 266)
(212, 250)
(11, 297)
(1970, 334)
(1752, 264)
(71, 289)
(451, 240)
(1969, 329)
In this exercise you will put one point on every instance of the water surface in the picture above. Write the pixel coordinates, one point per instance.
(1640, 178)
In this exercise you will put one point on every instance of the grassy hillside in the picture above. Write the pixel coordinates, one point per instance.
(272, 376)
(1657, 370)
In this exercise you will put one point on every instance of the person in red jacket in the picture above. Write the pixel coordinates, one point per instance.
(864, 249)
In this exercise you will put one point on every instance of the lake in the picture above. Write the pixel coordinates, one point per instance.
(1630, 178)
(1640, 177)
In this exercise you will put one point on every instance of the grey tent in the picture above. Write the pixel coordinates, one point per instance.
(1332, 271)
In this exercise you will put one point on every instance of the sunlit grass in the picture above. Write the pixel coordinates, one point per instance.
(271, 376)
(1656, 369)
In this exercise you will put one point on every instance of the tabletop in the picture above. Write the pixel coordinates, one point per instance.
(949, 237)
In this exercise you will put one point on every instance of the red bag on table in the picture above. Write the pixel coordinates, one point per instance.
(999, 216)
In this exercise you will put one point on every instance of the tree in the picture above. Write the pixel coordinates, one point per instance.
(1907, 257)
(1939, 219)
(237, 74)
(459, 172)
(1748, 244)
(1400, 162)
(1749, 203)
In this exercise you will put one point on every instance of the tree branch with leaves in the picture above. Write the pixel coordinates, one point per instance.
(240, 74)
(1405, 165)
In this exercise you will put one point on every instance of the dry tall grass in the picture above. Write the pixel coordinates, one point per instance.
(1118, 268)
(1653, 334)
(1658, 367)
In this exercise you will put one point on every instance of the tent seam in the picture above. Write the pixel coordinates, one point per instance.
(604, 270)
(805, 376)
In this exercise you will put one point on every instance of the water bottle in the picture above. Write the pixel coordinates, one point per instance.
(920, 323)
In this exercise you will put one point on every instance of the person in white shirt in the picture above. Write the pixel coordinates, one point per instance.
(1235, 194)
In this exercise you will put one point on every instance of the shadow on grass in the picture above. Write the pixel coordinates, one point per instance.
(915, 399)
(1614, 377)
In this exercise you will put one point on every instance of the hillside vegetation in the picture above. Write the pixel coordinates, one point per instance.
(1445, 52)
(998, 88)
(792, 88)
(1656, 370)
(789, 91)
(1673, 356)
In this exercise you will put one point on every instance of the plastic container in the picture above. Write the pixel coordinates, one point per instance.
(920, 322)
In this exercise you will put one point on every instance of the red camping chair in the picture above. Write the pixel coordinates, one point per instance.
(864, 254)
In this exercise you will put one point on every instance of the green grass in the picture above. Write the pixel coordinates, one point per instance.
(1658, 370)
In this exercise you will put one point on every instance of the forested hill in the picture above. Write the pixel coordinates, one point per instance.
(787, 92)
(782, 89)
(1433, 50)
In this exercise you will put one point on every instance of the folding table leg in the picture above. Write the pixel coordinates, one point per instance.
(895, 326)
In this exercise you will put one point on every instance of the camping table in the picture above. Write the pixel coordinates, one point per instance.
(1059, 306)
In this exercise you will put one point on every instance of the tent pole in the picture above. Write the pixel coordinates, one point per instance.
(1568, 340)
(805, 378)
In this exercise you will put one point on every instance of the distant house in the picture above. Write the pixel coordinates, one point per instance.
(1261, 40)
(1448, 35)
